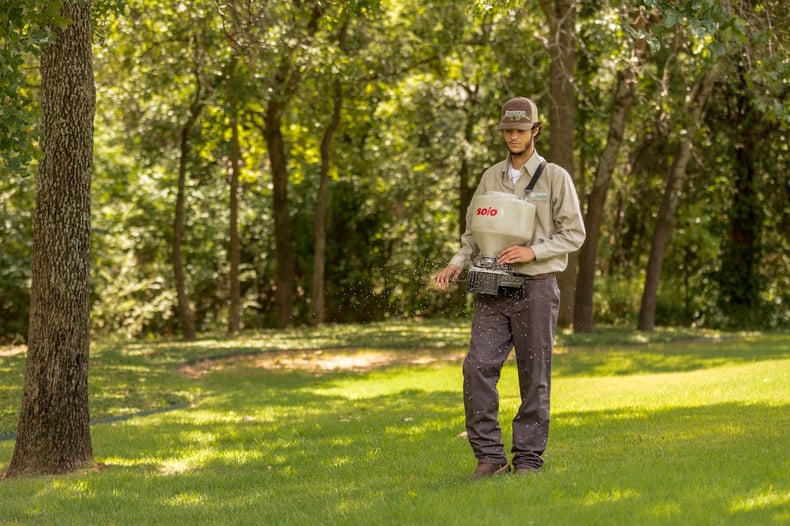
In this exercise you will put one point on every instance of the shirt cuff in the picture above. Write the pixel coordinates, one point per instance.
(458, 261)
(540, 250)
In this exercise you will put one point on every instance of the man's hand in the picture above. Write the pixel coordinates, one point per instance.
(515, 254)
(444, 278)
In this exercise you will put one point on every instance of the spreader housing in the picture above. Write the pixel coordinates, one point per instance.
(499, 220)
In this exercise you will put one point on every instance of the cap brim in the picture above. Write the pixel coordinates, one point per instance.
(515, 126)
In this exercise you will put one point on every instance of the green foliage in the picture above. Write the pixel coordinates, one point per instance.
(16, 222)
(710, 26)
(23, 34)
(25, 30)
(421, 84)
(617, 299)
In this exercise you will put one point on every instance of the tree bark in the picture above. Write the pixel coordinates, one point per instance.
(234, 250)
(322, 199)
(186, 315)
(282, 221)
(583, 319)
(663, 230)
(286, 80)
(467, 178)
(53, 434)
(561, 16)
(321, 205)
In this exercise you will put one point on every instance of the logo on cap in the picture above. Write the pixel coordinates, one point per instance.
(514, 115)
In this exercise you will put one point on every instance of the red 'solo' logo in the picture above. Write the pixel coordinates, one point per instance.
(490, 211)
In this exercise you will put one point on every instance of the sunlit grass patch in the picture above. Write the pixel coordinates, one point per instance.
(665, 432)
(763, 498)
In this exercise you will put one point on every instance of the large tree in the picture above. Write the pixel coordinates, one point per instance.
(186, 313)
(322, 203)
(706, 34)
(623, 92)
(275, 38)
(53, 434)
(561, 17)
(752, 113)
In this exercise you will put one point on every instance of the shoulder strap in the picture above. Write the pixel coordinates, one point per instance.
(536, 176)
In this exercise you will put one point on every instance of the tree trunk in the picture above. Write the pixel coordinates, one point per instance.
(583, 319)
(321, 205)
(467, 180)
(282, 221)
(186, 315)
(663, 230)
(286, 78)
(53, 434)
(234, 250)
(561, 16)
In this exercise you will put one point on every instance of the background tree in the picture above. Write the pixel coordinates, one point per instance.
(561, 44)
(53, 434)
(695, 104)
(186, 313)
(713, 23)
(282, 57)
(164, 75)
(625, 75)
(23, 30)
(750, 115)
(234, 249)
(322, 198)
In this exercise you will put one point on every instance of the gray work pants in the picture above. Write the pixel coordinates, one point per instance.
(499, 324)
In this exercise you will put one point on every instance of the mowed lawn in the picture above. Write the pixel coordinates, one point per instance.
(364, 425)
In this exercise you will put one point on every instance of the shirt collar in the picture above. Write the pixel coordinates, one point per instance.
(533, 162)
(531, 165)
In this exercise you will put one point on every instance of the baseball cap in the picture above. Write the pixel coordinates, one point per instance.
(519, 113)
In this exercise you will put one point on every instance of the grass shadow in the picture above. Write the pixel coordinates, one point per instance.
(669, 357)
(305, 456)
(274, 446)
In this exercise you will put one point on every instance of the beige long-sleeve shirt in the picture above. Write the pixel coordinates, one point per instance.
(559, 225)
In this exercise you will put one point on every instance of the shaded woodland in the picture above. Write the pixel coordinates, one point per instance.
(266, 164)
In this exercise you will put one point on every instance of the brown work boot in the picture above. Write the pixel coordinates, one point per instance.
(488, 470)
(526, 470)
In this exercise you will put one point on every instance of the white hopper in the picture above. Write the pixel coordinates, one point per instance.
(500, 220)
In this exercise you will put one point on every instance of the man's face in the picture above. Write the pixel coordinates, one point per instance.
(519, 142)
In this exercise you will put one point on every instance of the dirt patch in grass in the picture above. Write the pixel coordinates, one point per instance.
(320, 360)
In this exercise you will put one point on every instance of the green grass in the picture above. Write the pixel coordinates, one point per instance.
(673, 427)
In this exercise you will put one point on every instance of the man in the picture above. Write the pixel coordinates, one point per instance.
(524, 318)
